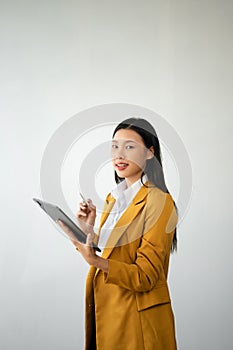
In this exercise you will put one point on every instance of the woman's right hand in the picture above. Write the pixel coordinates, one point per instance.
(86, 215)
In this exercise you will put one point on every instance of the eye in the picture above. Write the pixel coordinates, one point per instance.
(129, 147)
(114, 145)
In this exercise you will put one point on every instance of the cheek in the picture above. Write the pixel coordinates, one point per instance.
(137, 158)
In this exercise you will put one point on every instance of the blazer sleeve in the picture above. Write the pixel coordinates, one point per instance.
(144, 273)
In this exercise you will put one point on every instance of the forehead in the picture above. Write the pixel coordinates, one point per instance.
(128, 134)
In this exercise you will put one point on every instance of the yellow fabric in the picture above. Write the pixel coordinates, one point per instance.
(129, 308)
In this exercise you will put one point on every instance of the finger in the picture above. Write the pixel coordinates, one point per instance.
(83, 209)
(63, 226)
(89, 240)
(75, 243)
(92, 206)
(79, 246)
(83, 205)
(89, 202)
(80, 213)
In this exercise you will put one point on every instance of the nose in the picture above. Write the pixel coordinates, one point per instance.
(118, 153)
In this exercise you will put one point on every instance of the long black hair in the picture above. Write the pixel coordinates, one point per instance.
(154, 168)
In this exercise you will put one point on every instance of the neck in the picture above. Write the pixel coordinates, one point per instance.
(130, 181)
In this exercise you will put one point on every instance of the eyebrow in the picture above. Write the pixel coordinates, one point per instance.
(115, 141)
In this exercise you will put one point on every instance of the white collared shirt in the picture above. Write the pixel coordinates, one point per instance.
(124, 196)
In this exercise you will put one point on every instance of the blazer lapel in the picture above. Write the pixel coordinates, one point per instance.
(127, 217)
(109, 202)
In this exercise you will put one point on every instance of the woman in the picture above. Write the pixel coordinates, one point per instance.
(128, 306)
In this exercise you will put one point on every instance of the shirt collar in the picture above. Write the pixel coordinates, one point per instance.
(121, 189)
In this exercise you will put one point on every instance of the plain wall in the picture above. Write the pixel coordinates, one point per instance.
(61, 57)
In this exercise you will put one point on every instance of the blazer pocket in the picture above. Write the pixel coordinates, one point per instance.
(159, 295)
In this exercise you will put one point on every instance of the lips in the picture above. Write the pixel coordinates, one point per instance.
(121, 166)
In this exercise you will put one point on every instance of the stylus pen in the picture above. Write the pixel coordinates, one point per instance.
(84, 199)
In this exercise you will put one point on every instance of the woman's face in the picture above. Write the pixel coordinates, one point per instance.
(129, 154)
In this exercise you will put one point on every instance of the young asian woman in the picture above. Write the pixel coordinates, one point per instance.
(128, 304)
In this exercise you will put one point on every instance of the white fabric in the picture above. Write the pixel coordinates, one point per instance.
(124, 196)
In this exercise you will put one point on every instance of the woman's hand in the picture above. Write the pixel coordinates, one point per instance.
(86, 216)
(86, 250)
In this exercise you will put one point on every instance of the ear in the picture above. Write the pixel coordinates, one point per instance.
(150, 152)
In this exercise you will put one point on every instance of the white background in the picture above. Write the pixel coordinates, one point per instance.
(61, 57)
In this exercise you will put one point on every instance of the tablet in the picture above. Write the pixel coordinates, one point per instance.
(57, 214)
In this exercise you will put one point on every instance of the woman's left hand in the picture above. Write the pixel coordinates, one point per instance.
(86, 249)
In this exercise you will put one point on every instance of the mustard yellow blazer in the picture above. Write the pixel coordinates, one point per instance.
(129, 308)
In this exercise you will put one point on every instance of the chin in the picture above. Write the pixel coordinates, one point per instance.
(121, 175)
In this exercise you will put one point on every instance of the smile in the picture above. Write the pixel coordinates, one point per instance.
(121, 166)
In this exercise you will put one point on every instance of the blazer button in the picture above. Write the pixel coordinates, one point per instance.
(90, 305)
